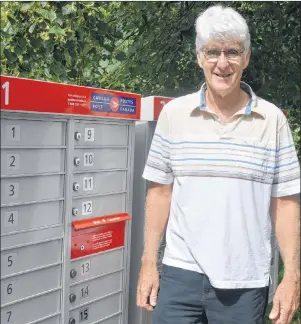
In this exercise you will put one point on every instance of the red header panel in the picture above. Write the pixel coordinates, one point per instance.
(47, 97)
(159, 103)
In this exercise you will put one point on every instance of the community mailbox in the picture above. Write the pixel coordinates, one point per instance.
(145, 128)
(66, 193)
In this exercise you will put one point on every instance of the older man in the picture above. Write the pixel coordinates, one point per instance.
(220, 158)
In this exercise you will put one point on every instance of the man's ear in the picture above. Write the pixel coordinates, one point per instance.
(247, 60)
(200, 60)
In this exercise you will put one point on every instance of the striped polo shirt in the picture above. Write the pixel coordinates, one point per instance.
(223, 175)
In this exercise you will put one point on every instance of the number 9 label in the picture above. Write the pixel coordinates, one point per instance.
(89, 134)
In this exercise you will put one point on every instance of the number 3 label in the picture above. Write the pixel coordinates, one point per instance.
(12, 190)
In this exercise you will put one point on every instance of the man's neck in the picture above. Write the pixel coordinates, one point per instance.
(226, 105)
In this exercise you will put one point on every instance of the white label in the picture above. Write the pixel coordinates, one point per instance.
(12, 190)
(11, 218)
(87, 207)
(9, 288)
(7, 316)
(84, 291)
(88, 159)
(10, 260)
(87, 183)
(12, 161)
(89, 134)
(85, 267)
(13, 132)
(83, 314)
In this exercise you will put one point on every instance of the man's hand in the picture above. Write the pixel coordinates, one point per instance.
(286, 300)
(148, 287)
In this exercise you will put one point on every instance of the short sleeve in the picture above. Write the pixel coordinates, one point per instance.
(287, 169)
(158, 167)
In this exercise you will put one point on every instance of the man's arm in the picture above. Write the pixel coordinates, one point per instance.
(285, 211)
(286, 218)
(157, 212)
(156, 215)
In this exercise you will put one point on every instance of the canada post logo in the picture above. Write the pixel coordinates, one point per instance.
(111, 103)
(114, 104)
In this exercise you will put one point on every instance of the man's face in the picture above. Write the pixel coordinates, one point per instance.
(223, 64)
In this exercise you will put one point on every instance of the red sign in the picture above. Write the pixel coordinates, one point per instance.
(48, 97)
(94, 235)
(159, 103)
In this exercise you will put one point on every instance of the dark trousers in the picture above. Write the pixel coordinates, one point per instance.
(187, 297)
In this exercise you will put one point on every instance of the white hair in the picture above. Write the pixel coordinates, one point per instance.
(221, 24)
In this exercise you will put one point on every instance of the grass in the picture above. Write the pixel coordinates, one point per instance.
(297, 317)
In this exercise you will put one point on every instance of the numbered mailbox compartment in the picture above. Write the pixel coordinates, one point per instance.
(99, 183)
(32, 133)
(89, 134)
(96, 311)
(95, 288)
(30, 257)
(28, 189)
(30, 284)
(32, 309)
(98, 206)
(31, 161)
(29, 217)
(100, 159)
(112, 320)
(96, 265)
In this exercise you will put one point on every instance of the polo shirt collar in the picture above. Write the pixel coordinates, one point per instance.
(252, 105)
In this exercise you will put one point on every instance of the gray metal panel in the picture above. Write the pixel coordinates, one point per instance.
(99, 264)
(90, 290)
(98, 206)
(26, 189)
(31, 132)
(100, 159)
(116, 319)
(51, 320)
(105, 134)
(31, 161)
(32, 237)
(30, 257)
(99, 183)
(30, 284)
(98, 310)
(32, 309)
(28, 217)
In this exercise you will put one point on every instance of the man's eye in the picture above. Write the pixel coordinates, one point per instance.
(233, 52)
(213, 52)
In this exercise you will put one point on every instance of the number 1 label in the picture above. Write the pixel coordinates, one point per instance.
(13, 132)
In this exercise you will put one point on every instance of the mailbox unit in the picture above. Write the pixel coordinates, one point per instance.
(66, 199)
(145, 128)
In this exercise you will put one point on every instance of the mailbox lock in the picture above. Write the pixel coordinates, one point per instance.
(71, 321)
(73, 273)
(76, 161)
(75, 186)
(74, 211)
(77, 136)
(72, 298)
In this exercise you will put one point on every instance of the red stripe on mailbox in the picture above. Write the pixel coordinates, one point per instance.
(20, 94)
(159, 103)
(98, 234)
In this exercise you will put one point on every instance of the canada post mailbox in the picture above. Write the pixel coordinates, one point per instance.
(145, 128)
(66, 193)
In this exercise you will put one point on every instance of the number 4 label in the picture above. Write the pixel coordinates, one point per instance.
(11, 219)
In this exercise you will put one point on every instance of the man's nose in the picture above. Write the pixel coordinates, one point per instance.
(222, 61)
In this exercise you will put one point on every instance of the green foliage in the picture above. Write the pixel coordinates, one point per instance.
(147, 47)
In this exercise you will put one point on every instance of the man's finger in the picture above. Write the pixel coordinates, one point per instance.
(154, 296)
(275, 312)
(284, 315)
